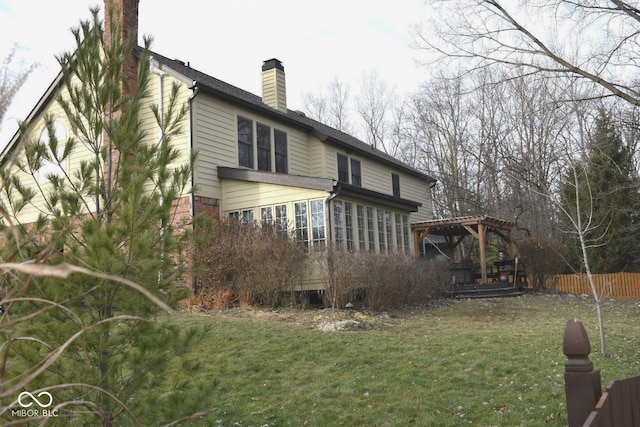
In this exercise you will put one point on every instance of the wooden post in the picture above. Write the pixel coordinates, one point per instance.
(483, 253)
(581, 382)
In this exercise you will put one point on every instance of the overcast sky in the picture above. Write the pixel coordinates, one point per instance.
(316, 41)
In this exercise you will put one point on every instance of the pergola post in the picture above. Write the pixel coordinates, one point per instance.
(483, 252)
(454, 230)
(511, 250)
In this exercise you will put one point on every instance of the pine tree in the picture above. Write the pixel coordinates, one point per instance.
(114, 214)
(609, 190)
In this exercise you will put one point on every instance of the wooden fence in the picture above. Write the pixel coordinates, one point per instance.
(613, 285)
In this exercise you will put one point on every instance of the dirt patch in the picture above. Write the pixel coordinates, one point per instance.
(331, 319)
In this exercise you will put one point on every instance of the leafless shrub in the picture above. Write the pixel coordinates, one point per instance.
(248, 265)
(339, 273)
(382, 281)
(544, 259)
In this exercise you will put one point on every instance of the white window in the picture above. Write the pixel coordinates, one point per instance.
(247, 217)
(281, 219)
(317, 223)
(362, 235)
(348, 223)
(262, 147)
(406, 232)
(266, 214)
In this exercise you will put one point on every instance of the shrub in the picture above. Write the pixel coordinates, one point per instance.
(544, 257)
(381, 281)
(247, 265)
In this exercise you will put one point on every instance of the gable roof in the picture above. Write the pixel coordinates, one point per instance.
(47, 96)
(216, 87)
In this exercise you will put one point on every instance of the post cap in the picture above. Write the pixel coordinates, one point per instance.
(576, 347)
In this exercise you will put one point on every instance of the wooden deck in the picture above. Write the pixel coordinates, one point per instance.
(506, 278)
(483, 290)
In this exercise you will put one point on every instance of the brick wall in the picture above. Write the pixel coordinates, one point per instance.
(206, 205)
(126, 13)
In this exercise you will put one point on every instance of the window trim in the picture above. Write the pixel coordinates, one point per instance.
(356, 178)
(395, 184)
(362, 227)
(349, 169)
(348, 226)
(263, 134)
(278, 151)
(245, 163)
(343, 162)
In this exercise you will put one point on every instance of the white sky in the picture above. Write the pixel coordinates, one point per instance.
(316, 41)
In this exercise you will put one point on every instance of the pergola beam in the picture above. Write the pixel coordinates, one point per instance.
(456, 229)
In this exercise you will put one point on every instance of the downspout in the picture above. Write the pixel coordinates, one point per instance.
(327, 202)
(155, 72)
(196, 90)
(328, 249)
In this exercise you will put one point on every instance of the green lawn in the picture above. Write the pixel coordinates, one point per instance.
(480, 362)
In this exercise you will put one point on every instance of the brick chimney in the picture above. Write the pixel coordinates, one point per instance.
(125, 16)
(274, 91)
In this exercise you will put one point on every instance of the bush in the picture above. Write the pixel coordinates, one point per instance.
(381, 281)
(544, 257)
(247, 265)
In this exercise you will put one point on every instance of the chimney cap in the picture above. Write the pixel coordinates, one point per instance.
(272, 63)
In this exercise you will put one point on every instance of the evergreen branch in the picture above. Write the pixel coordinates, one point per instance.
(63, 271)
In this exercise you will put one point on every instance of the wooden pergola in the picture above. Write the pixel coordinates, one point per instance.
(455, 230)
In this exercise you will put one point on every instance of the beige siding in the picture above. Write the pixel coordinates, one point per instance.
(331, 160)
(150, 124)
(376, 176)
(317, 153)
(82, 153)
(300, 157)
(418, 189)
(30, 212)
(238, 195)
(216, 142)
(160, 97)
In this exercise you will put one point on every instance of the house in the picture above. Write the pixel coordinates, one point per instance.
(260, 161)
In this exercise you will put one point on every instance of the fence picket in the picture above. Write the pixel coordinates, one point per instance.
(622, 285)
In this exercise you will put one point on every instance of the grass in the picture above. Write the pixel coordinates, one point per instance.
(480, 362)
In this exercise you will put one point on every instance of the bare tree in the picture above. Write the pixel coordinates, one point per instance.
(442, 133)
(582, 224)
(374, 106)
(532, 156)
(595, 40)
(381, 119)
(333, 108)
(12, 77)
